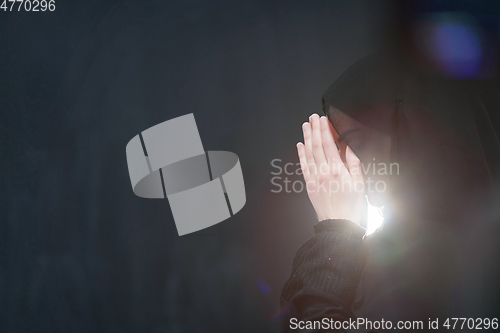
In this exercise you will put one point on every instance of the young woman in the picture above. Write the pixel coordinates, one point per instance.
(426, 149)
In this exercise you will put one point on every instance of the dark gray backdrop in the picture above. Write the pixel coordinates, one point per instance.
(78, 251)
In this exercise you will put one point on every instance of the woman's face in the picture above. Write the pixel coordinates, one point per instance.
(341, 145)
(373, 149)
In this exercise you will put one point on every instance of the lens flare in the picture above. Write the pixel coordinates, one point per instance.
(374, 219)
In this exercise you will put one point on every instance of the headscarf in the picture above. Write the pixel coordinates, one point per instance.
(441, 132)
(436, 252)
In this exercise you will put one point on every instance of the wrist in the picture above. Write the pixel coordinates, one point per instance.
(340, 225)
(348, 217)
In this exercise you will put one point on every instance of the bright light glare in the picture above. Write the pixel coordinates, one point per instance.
(374, 219)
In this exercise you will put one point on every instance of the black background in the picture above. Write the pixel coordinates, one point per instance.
(79, 252)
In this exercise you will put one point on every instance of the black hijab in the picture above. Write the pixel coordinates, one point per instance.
(441, 132)
(435, 255)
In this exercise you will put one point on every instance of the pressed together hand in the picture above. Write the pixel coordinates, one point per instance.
(333, 175)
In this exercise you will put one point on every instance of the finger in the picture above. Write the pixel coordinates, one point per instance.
(306, 128)
(329, 146)
(354, 165)
(301, 150)
(317, 142)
